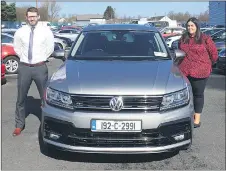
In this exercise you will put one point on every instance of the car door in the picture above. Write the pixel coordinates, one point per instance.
(6, 39)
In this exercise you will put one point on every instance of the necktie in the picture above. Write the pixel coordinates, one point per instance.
(30, 45)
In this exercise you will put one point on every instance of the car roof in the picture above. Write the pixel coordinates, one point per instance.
(137, 27)
(6, 34)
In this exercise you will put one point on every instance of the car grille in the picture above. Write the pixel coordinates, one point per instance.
(71, 135)
(147, 103)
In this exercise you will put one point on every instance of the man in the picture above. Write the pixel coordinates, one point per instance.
(33, 43)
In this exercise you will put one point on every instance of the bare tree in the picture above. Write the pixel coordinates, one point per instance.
(204, 16)
(53, 10)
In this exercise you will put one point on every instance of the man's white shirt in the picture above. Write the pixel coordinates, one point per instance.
(43, 43)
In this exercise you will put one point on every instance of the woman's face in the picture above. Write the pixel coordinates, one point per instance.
(191, 28)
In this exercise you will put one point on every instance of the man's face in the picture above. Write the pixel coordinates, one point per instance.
(32, 18)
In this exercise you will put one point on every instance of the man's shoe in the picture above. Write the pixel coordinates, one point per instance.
(17, 131)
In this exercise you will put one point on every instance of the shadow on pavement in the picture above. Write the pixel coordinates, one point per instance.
(33, 106)
(101, 158)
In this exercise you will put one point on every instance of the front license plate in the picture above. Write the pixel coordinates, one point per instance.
(115, 126)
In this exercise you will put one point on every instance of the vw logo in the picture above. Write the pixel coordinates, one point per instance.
(116, 103)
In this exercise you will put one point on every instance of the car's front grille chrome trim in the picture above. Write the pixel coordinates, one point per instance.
(130, 102)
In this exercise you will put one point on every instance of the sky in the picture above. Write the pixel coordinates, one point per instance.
(144, 9)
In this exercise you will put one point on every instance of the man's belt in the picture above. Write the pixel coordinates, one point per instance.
(33, 65)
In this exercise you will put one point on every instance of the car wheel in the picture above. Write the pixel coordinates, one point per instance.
(11, 64)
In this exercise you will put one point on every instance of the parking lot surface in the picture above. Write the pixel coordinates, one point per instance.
(23, 152)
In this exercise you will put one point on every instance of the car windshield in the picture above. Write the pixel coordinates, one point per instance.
(119, 44)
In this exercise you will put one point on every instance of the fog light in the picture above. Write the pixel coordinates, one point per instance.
(54, 136)
(179, 137)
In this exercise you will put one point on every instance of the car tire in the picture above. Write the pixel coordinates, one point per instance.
(12, 64)
(3, 81)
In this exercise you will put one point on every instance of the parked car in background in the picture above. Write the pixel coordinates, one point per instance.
(219, 36)
(204, 29)
(71, 27)
(168, 31)
(68, 33)
(7, 39)
(67, 40)
(3, 72)
(9, 31)
(169, 40)
(220, 45)
(212, 31)
(118, 92)
(221, 62)
(10, 59)
(62, 43)
(175, 44)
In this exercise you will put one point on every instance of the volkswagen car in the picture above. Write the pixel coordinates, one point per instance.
(119, 91)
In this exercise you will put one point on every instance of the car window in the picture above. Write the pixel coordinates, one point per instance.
(74, 31)
(65, 31)
(119, 43)
(211, 32)
(223, 36)
(222, 52)
(7, 39)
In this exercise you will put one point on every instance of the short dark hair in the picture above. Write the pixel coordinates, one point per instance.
(198, 34)
(32, 9)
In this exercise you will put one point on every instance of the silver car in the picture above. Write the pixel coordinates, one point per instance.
(119, 91)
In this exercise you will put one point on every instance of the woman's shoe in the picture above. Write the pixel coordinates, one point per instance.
(197, 125)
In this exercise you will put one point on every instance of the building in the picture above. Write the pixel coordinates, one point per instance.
(172, 23)
(83, 20)
(217, 13)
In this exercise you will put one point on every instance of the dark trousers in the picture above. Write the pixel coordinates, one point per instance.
(198, 87)
(27, 74)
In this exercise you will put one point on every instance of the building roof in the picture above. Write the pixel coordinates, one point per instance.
(157, 18)
(87, 17)
(137, 27)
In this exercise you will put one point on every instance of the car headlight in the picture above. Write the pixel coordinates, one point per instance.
(58, 98)
(175, 100)
(168, 40)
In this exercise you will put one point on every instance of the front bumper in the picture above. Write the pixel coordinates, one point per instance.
(116, 150)
(157, 136)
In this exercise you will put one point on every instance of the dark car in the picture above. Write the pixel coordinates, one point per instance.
(221, 62)
(210, 32)
(219, 36)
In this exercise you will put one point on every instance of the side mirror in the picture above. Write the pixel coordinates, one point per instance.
(179, 54)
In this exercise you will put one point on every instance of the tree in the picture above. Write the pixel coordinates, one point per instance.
(53, 10)
(204, 16)
(109, 13)
(8, 12)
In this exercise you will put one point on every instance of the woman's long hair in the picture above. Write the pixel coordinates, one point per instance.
(198, 35)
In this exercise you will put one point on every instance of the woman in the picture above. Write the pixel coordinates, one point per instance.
(201, 52)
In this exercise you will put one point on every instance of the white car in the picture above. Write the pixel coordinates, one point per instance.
(170, 40)
(68, 33)
(62, 43)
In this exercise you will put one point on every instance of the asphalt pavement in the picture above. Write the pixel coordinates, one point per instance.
(23, 152)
